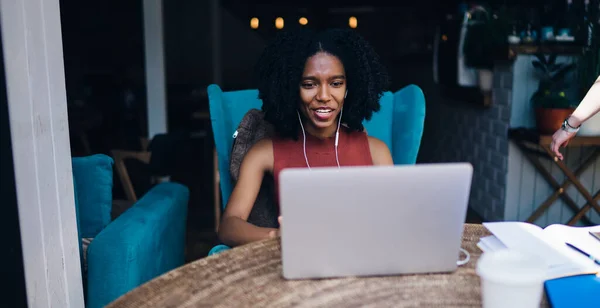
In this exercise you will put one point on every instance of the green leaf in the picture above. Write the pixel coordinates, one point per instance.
(540, 66)
(552, 59)
(541, 58)
(554, 67)
(560, 75)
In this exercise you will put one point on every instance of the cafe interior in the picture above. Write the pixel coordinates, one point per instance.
(146, 145)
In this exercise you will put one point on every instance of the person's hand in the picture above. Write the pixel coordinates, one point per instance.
(560, 139)
(276, 233)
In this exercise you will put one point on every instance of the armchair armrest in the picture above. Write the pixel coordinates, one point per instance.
(141, 244)
(218, 249)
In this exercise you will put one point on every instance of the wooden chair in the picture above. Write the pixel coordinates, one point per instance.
(144, 143)
(119, 157)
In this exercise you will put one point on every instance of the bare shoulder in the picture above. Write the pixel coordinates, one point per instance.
(376, 143)
(263, 146)
(379, 152)
(261, 153)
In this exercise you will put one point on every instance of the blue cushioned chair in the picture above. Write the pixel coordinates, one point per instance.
(144, 242)
(399, 124)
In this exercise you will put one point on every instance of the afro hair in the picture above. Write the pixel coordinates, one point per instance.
(280, 67)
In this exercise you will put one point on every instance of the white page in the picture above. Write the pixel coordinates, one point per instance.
(565, 270)
(483, 247)
(527, 238)
(492, 243)
(558, 235)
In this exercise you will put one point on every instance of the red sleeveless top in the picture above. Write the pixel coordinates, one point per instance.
(353, 150)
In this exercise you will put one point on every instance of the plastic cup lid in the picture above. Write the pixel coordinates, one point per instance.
(511, 267)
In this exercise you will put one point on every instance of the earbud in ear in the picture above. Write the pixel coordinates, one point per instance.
(346, 94)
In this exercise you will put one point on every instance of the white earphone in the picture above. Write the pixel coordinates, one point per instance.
(337, 137)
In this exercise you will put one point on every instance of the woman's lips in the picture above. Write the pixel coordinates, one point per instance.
(323, 114)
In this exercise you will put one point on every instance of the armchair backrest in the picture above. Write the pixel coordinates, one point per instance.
(399, 123)
(226, 111)
(407, 127)
(92, 188)
(93, 183)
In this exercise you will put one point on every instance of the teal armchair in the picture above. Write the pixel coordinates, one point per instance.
(399, 124)
(144, 242)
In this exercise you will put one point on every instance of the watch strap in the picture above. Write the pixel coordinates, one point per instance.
(567, 127)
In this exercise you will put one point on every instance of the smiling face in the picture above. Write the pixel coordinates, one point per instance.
(322, 91)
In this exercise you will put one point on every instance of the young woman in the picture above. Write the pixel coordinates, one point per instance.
(317, 89)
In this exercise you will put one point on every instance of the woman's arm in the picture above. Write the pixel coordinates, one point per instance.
(234, 229)
(589, 106)
(379, 152)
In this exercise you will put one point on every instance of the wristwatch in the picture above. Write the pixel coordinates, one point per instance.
(568, 128)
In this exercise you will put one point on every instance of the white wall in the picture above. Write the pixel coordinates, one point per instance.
(35, 82)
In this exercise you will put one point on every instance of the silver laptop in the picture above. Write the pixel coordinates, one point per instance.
(372, 221)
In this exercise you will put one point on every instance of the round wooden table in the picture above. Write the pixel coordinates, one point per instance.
(251, 276)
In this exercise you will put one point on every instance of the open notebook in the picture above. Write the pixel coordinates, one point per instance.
(548, 243)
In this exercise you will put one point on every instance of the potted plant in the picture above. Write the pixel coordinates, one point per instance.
(550, 100)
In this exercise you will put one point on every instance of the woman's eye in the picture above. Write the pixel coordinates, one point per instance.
(307, 85)
(337, 83)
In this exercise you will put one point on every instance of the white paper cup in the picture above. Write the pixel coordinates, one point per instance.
(511, 279)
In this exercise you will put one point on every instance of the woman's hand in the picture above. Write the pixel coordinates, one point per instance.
(560, 139)
(276, 233)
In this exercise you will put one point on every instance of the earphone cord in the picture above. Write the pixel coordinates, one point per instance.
(303, 140)
(337, 135)
(466, 260)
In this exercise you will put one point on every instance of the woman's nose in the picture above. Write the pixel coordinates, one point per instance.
(323, 95)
